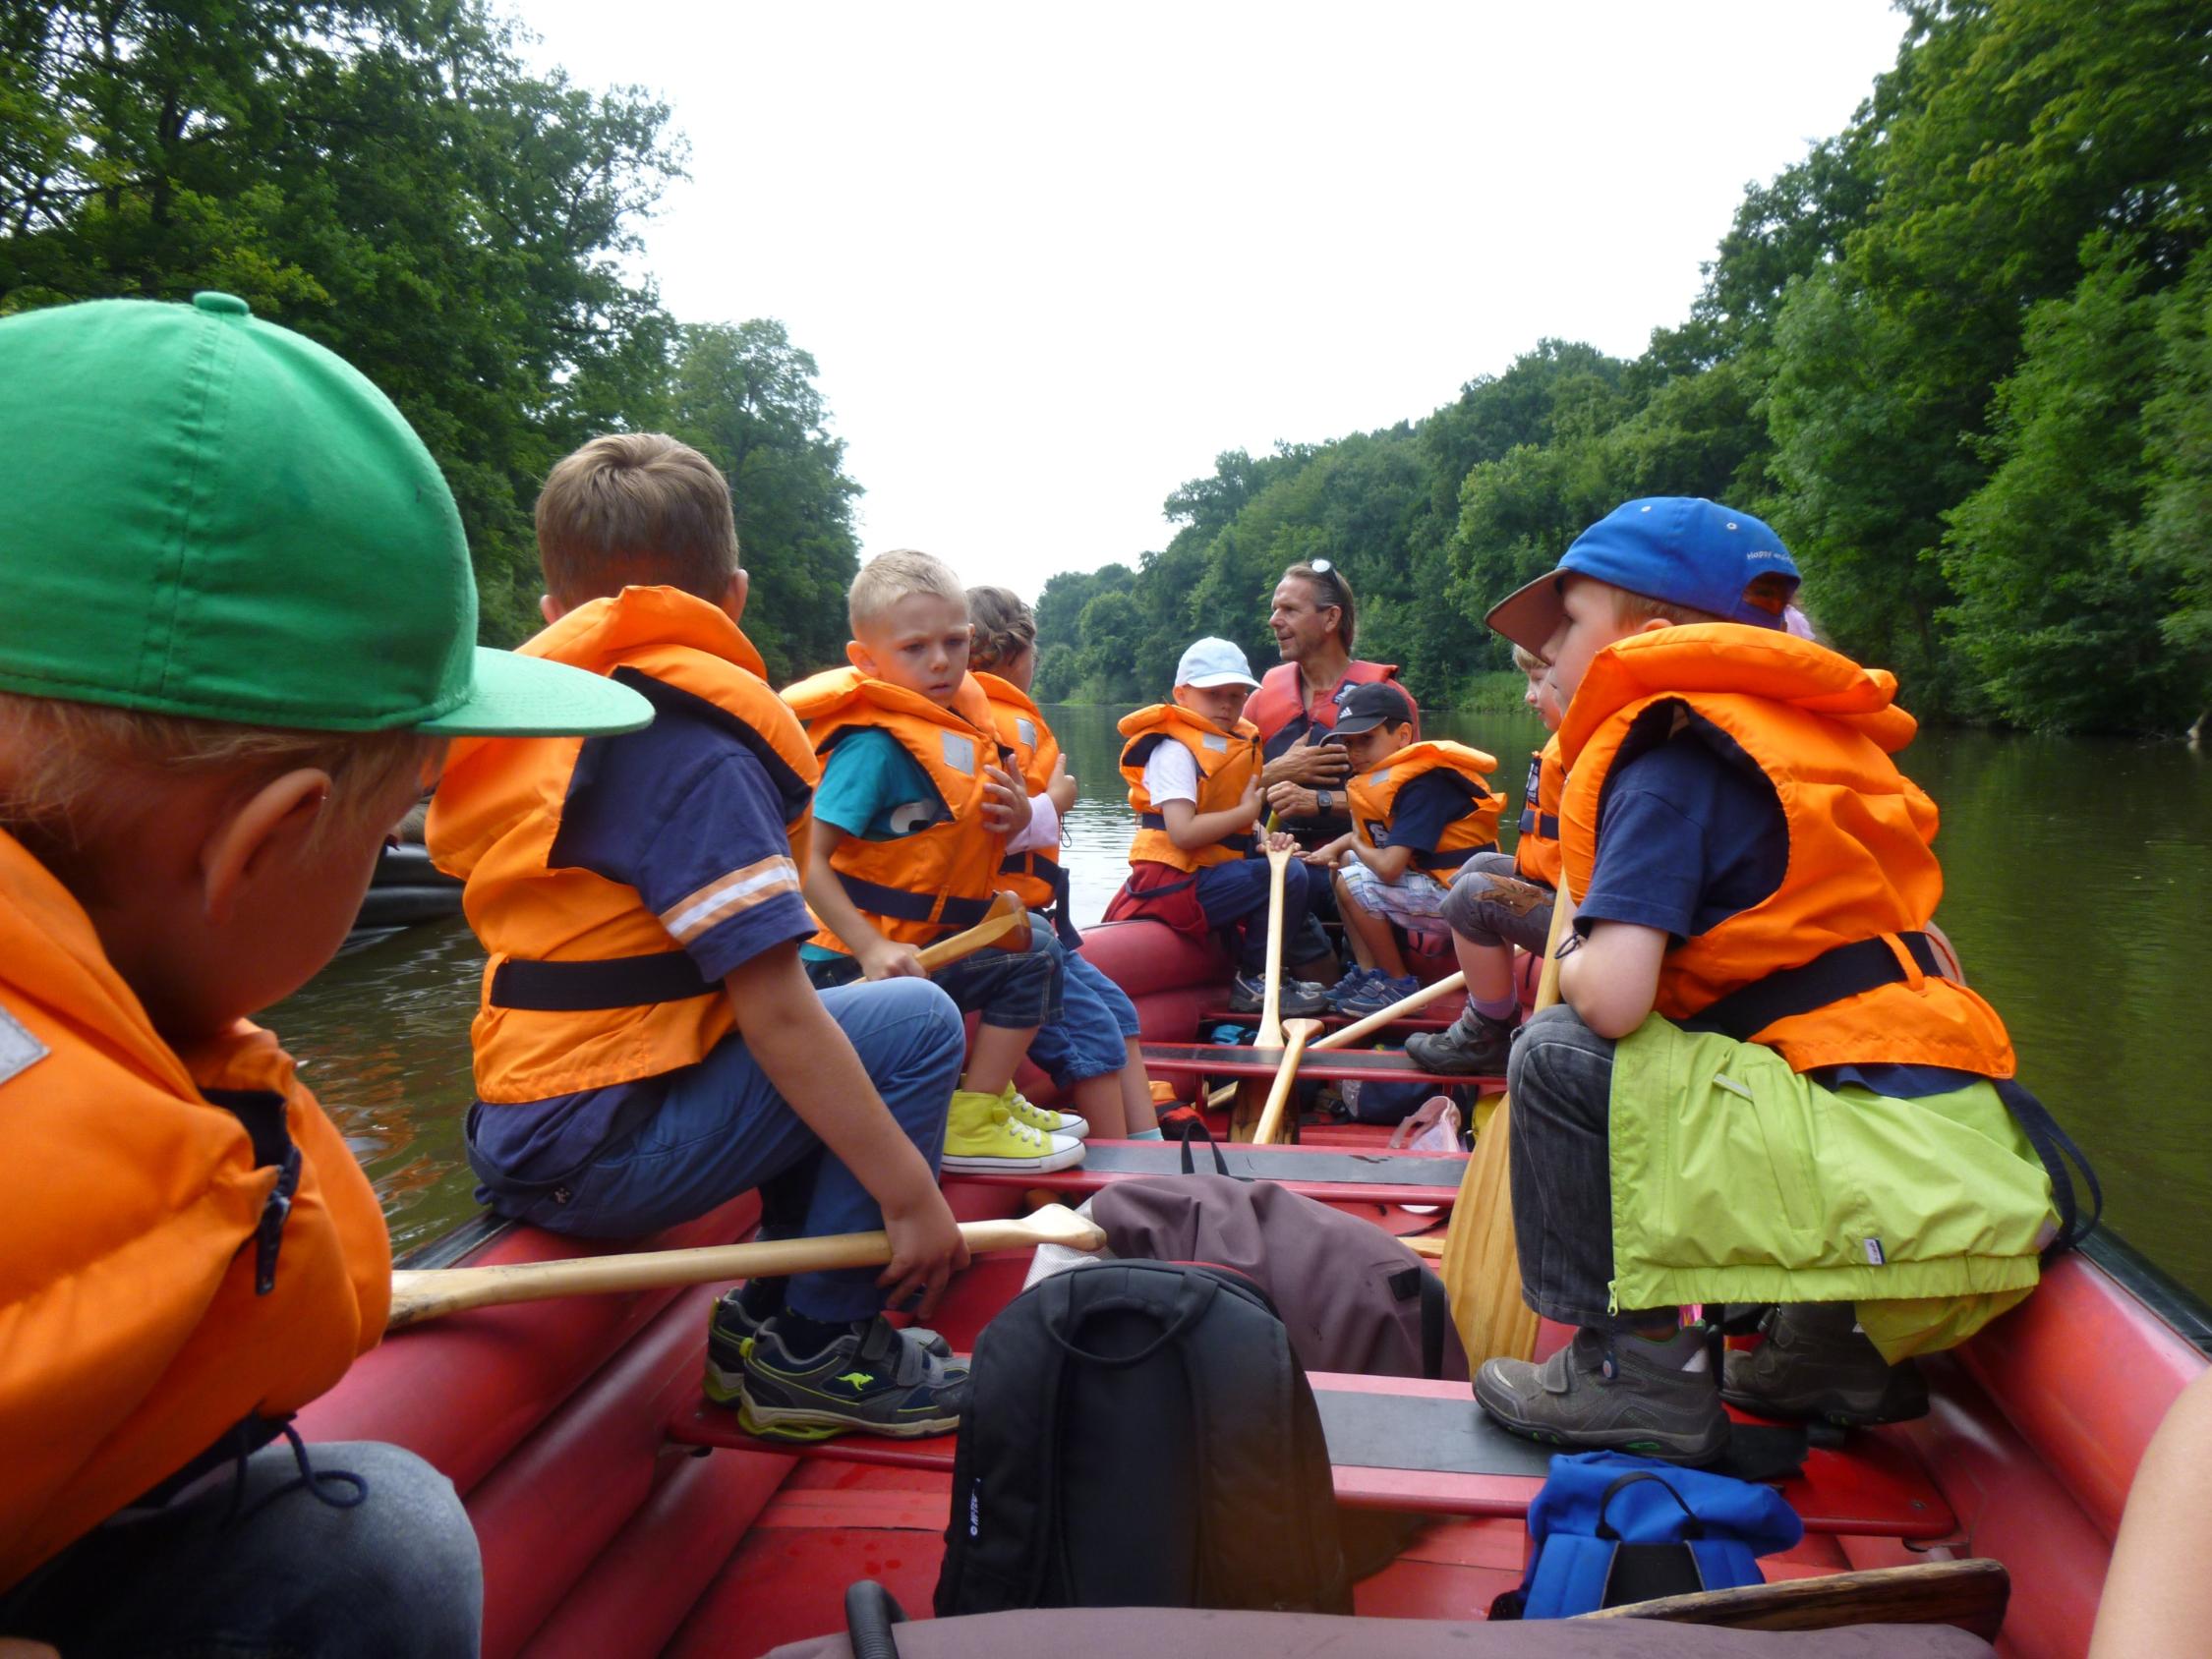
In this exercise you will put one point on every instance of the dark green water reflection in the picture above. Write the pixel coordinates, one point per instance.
(2080, 896)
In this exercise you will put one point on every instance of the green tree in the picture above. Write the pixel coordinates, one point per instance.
(745, 397)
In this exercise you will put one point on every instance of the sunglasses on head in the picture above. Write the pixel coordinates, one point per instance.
(1325, 569)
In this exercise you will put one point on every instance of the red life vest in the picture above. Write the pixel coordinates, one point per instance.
(1373, 797)
(1279, 701)
(1228, 762)
(165, 1303)
(1861, 881)
(1536, 854)
(942, 877)
(585, 987)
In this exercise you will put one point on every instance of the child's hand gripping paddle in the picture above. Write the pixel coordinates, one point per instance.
(434, 1294)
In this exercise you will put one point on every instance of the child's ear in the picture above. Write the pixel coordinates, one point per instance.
(1650, 623)
(275, 819)
(551, 608)
(734, 595)
(858, 655)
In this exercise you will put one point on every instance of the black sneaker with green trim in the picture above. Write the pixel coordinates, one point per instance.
(875, 1380)
(730, 1331)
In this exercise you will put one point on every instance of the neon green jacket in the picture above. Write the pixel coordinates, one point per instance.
(1735, 1179)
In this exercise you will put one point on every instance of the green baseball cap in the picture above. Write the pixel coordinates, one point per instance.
(205, 515)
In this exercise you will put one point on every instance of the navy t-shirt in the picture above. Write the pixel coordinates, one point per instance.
(686, 813)
(1689, 833)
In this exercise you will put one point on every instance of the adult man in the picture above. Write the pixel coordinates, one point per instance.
(1313, 620)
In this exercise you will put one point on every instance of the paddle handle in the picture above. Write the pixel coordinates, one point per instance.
(1269, 1129)
(1271, 1003)
(1000, 922)
(1359, 1028)
(417, 1296)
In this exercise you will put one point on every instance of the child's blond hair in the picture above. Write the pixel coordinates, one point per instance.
(1527, 661)
(636, 509)
(1000, 625)
(889, 577)
(72, 773)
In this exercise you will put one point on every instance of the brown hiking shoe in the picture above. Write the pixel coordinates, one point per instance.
(1620, 1393)
(1816, 1364)
(1470, 1046)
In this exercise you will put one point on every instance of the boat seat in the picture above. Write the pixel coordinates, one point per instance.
(1332, 1174)
(1223, 1063)
(1109, 1633)
(1402, 1443)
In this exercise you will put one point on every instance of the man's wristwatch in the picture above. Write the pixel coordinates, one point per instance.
(1324, 801)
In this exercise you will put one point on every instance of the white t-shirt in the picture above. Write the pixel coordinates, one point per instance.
(1171, 773)
(1044, 826)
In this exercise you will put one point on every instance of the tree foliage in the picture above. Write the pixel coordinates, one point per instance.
(1960, 355)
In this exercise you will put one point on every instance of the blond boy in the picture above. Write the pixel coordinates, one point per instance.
(917, 811)
(238, 629)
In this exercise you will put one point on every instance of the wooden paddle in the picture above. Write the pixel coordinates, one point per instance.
(1481, 1268)
(1006, 915)
(434, 1294)
(1270, 1127)
(1271, 1004)
(1358, 1028)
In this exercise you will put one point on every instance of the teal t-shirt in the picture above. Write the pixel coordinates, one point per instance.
(872, 789)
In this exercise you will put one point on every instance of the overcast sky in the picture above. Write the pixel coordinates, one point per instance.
(1051, 258)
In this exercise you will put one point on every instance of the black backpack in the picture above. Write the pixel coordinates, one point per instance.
(1140, 1435)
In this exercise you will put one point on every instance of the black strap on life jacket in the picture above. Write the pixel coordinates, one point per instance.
(616, 982)
(1850, 969)
(1847, 970)
(1546, 825)
(1242, 845)
(879, 901)
(260, 1114)
(1052, 872)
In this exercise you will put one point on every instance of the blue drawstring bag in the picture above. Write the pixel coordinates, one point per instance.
(1609, 1528)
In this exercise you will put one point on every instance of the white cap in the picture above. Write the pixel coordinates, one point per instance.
(1211, 662)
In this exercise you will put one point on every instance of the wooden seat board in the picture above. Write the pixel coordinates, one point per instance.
(1330, 1173)
(1223, 1062)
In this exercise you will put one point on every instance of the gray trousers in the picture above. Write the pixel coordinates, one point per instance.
(1478, 919)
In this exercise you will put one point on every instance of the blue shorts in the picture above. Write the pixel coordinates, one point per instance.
(1090, 1039)
(1016, 990)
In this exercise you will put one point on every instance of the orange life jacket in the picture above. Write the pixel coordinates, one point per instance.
(1280, 699)
(917, 887)
(189, 1252)
(1373, 798)
(1035, 877)
(1845, 973)
(1536, 853)
(1228, 760)
(585, 987)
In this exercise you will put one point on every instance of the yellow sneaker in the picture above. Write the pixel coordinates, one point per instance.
(982, 1136)
(1023, 1109)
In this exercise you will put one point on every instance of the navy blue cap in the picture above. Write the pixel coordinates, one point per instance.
(1679, 550)
(1377, 703)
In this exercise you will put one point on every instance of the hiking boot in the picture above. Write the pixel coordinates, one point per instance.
(1471, 1046)
(1618, 1392)
(1023, 1110)
(870, 1381)
(982, 1136)
(1301, 997)
(1817, 1363)
(1377, 993)
(730, 1331)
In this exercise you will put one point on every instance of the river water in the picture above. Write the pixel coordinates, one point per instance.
(2080, 896)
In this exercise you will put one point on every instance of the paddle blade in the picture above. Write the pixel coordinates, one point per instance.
(1481, 1268)
(1056, 1224)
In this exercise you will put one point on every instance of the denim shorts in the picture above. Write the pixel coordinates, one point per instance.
(1090, 1037)
(1016, 990)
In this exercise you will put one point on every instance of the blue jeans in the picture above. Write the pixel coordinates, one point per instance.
(1234, 897)
(396, 1574)
(1090, 1037)
(723, 1130)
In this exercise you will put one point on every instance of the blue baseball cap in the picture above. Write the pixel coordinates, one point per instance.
(1680, 550)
